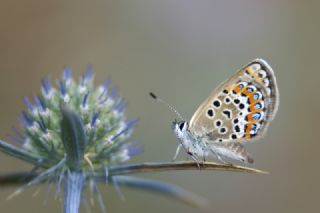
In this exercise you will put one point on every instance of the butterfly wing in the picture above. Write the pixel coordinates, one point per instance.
(241, 108)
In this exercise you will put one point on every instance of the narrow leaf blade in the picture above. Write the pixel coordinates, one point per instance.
(73, 136)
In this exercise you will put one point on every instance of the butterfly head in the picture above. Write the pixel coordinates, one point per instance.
(180, 128)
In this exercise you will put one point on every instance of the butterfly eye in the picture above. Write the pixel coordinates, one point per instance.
(181, 125)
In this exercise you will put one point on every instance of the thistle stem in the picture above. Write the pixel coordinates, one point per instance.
(72, 191)
(25, 177)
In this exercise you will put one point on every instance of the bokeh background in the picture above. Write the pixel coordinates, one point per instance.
(181, 50)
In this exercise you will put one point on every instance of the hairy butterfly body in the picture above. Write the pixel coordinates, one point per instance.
(236, 112)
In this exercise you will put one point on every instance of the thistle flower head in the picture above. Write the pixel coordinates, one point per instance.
(74, 131)
(79, 122)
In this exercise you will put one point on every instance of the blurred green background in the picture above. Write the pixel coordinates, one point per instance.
(181, 50)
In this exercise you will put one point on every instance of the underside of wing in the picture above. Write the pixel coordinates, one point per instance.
(241, 108)
(234, 151)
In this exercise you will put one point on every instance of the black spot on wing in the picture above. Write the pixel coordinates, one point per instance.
(236, 120)
(234, 136)
(237, 128)
(227, 113)
(210, 113)
(216, 103)
(236, 101)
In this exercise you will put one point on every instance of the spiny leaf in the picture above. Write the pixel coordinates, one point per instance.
(73, 136)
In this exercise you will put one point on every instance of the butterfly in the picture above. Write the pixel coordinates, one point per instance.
(238, 111)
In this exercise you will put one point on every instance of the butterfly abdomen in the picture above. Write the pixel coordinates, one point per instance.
(234, 151)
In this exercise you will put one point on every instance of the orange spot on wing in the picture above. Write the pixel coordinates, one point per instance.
(237, 90)
(229, 88)
(254, 74)
(250, 96)
(251, 107)
(250, 119)
(246, 92)
(252, 100)
(249, 125)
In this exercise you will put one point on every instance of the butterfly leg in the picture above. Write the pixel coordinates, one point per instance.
(194, 157)
(177, 152)
(203, 160)
(196, 160)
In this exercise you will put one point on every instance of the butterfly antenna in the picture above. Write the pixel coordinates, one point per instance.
(166, 103)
